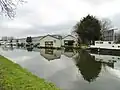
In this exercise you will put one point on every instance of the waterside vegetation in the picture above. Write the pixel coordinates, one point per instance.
(13, 77)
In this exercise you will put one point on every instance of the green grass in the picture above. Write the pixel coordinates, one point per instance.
(84, 46)
(13, 77)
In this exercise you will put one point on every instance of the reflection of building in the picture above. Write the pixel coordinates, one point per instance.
(50, 54)
(2, 42)
(69, 40)
(69, 52)
(14, 42)
(50, 41)
(108, 60)
(7, 48)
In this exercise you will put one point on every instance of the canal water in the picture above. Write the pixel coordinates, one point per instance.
(69, 69)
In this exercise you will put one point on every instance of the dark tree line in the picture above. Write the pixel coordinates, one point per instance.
(29, 40)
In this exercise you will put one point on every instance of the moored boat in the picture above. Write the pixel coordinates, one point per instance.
(106, 46)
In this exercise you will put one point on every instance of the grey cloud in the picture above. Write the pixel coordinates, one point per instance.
(56, 29)
(116, 20)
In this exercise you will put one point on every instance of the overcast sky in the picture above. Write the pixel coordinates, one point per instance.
(41, 17)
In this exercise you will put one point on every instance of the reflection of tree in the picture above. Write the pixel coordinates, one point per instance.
(87, 65)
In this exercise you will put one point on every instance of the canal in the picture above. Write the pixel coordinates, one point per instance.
(69, 69)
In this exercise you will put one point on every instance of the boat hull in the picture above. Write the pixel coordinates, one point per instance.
(105, 51)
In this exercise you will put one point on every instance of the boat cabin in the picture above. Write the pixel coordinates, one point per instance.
(103, 42)
(106, 45)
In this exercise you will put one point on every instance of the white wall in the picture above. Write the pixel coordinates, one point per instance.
(14, 41)
(106, 45)
(56, 42)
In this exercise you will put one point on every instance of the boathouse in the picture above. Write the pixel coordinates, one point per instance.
(69, 41)
(50, 41)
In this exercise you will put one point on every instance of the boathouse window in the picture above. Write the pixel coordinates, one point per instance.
(112, 46)
(118, 46)
(68, 42)
(49, 44)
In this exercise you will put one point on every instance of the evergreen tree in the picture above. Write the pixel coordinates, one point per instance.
(88, 29)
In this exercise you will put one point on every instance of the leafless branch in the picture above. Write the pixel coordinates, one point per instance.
(8, 7)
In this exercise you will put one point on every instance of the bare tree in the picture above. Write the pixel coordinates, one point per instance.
(8, 7)
(106, 24)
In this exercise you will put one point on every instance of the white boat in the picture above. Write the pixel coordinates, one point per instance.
(106, 45)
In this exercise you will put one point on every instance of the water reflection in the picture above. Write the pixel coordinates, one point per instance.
(89, 65)
(50, 54)
(29, 49)
(106, 59)
(69, 52)
(7, 48)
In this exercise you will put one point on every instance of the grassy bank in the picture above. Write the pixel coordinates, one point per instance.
(13, 77)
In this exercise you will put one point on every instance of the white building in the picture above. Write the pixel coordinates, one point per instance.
(14, 42)
(22, 40)
(50, 41)
(69, 40)
(5, 38)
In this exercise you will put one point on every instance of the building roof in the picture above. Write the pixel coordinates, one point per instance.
(54, 36)
(67, 36)
(37, 37)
